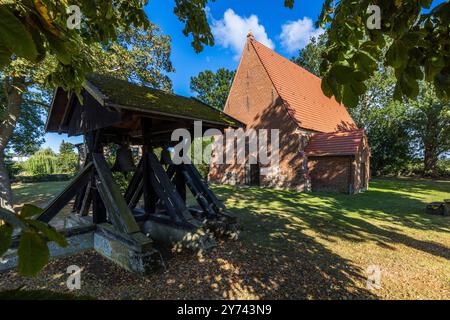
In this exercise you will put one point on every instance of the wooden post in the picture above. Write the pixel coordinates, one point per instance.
(87, 200)
(135, 187)
(98, 208)
(180, 183)
(119, 213)
(150, 196)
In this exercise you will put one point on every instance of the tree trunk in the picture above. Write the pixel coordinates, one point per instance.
(430, 160)
(431, 141)
(14, 88)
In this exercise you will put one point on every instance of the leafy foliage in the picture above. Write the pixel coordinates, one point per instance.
(397, 131)
(138, 55)
(429, 119)
(67, 159)
(42, 162)
(35, 29)
(309, 57)
(46, 162)
(33, 251)
(28, 134)
(14, 168)
(413, 43)
(213, 87)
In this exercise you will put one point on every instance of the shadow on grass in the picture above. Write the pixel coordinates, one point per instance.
(270, 261)
(277, 257)
(39, 193)
(336, 216)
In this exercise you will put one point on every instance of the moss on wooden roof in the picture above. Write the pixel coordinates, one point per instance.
(136, 97)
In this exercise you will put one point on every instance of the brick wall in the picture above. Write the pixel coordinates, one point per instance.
(330, 174)
(254, 101)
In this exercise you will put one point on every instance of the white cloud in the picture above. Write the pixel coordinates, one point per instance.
(231, 31)
(295, 35)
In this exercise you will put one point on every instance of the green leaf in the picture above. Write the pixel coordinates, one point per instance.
(426, 3)
(409, 86)
(11, 218)
(15, 36)
(33, 253)
(433, 67)
(412, 38)
(30, 210)
(289, 3)
(60, 47)
(341, 71)
(349, 97)
(39, 42)
(442, 82)
(326, 88)
(365, 62)
(6, 232)
(397, 55)
(5, 56)
(360, 76)
(49, 232)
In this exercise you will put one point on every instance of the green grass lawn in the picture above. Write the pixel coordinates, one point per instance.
(295, 245)
(342, 235)
(36, 193)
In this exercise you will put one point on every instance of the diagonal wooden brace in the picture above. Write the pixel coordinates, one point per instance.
(203, 187)
(135, 188)
(167, 192)
(79, 182)
(119, 213)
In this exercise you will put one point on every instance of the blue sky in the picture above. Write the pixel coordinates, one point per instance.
(285, 30)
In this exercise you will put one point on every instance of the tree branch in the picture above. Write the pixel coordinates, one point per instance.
(42, 104)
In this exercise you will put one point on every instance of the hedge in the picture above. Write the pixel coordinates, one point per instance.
(43, 178)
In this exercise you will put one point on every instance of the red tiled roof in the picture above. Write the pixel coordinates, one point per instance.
(302, 94)
(335, 143)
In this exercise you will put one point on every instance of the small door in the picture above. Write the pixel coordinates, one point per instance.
(254, 174)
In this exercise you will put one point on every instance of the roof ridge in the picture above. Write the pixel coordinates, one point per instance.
(290, 61)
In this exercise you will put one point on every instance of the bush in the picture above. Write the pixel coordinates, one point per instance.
(443, 168)
(43, 162)
(67, 163)
(14, 168)
(67, 159)
(42, 178)
(416, 168)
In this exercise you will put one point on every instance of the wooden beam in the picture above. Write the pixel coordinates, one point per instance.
(66, 112)
(67, 233)
(79, 182)
(180, 184)
(133, 186)
(137, 195)
(98, 208)
(150, 194)
(149, 189)
(116, 206)
(208, 207)
(87, 200)
(203, 187)
(166, 191)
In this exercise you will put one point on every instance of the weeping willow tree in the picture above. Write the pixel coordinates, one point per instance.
(42, 162)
